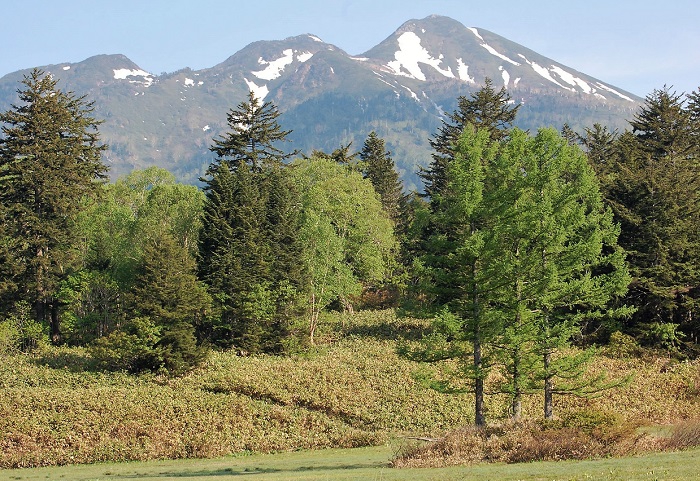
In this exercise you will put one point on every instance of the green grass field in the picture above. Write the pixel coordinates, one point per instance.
(367, 464)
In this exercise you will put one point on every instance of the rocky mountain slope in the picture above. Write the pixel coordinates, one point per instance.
(400, 88)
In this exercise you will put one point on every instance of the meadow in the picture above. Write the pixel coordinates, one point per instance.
(351, 391)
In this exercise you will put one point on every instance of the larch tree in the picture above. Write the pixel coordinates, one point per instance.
(520, 251)
(50, 164)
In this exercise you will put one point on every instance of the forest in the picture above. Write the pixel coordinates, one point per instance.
(525, 252)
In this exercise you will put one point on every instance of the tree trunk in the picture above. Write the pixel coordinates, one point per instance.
(479, 417)
(548, 387)
(56, 337)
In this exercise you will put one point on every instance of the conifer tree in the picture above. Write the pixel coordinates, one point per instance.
(379, 168)
(50, 162)
(167, 292)
(486, 108)
(248, 248)
(654, 191)
(521, 249)
(253, 136)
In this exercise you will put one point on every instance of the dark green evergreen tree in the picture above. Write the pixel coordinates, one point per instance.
(487, 109)
(167, 292)
(379, 168)
(654, 190)
(253, 136)
(50, 162)
(248, 248)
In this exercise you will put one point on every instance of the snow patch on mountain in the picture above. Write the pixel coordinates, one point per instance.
(505, 75)
(490, 49)
(304, 56)
(315, 38)
(543, 72)
(611, 90)
(259, 91)
(275, 67)
(572, 80)
(410, 54)
(463, 71)
(476, 32)
(125, 73)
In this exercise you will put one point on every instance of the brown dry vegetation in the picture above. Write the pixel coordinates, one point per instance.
(353, 391)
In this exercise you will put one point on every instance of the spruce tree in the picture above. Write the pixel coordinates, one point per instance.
(166, 291)
(654, 191)
(486, 108)
(248, 249)
(253, 136)
(379, 168)
(50, 162)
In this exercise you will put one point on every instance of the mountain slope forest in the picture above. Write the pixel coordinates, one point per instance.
(526, 257)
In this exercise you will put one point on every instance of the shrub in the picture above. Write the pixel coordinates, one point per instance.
(133, 349)
(683, 436)
(622, 345)
(19, 332)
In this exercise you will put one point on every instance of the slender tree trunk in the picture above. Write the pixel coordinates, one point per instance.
(479, 417)
(516, 406)
(56, 337)
(548, 387)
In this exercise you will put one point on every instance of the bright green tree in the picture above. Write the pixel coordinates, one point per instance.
(566, 263)
(50, 163)
(347, 237)
(521, 249)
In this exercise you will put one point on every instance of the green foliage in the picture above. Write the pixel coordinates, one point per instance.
(50, 160)
(347, 237)
(485, 109)
(651, 180)
(19, 332)
(253, 133)
(134, 348)
(520, 250)
(249, 247)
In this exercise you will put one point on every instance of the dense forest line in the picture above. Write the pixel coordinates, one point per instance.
(521, 245)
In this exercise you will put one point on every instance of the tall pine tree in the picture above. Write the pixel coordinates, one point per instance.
(654, 191)
(486, 108)
(50, 162)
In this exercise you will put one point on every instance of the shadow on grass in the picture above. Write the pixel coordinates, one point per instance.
(390, 330)
(71, 360)
(251, 471)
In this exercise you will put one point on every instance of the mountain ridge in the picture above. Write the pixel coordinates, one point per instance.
(400, 88)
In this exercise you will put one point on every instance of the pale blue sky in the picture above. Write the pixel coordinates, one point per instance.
(636, 45)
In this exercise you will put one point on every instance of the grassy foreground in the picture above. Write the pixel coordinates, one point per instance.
(353, 391)
(368, 464)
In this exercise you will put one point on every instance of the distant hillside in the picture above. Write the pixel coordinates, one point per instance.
(399, 88)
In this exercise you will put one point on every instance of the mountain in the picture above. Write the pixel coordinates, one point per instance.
(400, 88)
